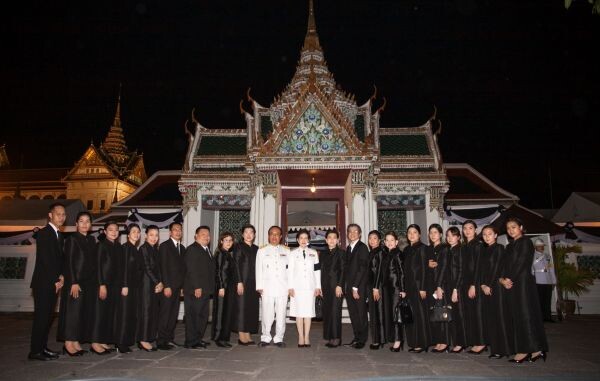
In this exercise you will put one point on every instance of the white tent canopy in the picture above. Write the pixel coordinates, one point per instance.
(580, 207)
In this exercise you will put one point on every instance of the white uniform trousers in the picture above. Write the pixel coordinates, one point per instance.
(273, 307)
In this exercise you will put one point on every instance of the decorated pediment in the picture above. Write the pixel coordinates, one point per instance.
(312, 135)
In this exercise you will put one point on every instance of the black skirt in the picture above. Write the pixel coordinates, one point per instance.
(126, 317)
(101, 327)
(147, 312)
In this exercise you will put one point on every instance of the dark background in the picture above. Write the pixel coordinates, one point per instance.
(515, 83)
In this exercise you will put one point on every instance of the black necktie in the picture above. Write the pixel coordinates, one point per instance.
(304, 254)
(178, 248)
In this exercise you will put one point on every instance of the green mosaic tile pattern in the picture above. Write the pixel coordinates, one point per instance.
(13, 267)
(222, 146)
(404, 145)
(232, 221)
(391, 220)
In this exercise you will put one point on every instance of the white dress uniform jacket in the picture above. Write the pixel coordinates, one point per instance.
(542, 268)
(304, 276)
(271, 270)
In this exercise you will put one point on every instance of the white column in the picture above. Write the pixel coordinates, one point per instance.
(270, 217)
(358, 211)
(432, 216)
(190, 222)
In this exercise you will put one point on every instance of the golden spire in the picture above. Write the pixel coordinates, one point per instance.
(114, 144)
(311, 41)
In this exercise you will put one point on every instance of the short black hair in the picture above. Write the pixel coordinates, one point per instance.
(354, 226)
(302, 231)
(131, 226)
(248, 226)
(332, 231)
(392, 233)
(108, 223)
(494, 229)
(414, 226)
(83, 213)
(56, 205)
(152, 227)
(454, 231)
(173, 224)
(376, 233)
(202, 227)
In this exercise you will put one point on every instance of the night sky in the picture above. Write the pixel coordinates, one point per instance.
(516, 84)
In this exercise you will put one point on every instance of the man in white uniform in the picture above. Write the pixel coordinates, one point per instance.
(272, 285)
(544, 277)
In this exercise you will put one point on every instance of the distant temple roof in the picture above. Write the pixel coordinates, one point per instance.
(160, 190)
(468, 184)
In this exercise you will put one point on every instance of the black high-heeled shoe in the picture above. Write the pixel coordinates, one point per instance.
(462, 349)
(526, 358)
(413, 350)
(65, 351)
(123, 349)
(440, 350)
(140, 346)
(495, 356)
(376, 346)
(543, 355)
(104, 352)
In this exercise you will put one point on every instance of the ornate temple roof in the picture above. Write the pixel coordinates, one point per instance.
(112, 159)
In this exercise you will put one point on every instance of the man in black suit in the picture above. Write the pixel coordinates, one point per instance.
(356, 276)
(199, 286)
(46, 282)
(172, 269)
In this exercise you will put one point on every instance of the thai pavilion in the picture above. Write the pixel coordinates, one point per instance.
(316, 145)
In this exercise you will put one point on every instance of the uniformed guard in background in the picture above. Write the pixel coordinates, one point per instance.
(544, 278)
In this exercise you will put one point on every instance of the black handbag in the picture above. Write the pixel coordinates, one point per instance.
(318, 308)
(440, 312)
(403, 312)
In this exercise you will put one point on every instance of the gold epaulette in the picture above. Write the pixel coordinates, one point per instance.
(263, 246)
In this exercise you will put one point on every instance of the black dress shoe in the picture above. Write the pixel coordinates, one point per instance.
(40, 356)
(376, 346)
(227, 344)
(123, 349)
(351, 344)
(165, 347)
(358, 345)
(205, 342)
(195, 346)
(263, 344)
(50, 352)
(281, 344)
(220, 344)
(495, 356)
(421, 350)
(176, 344)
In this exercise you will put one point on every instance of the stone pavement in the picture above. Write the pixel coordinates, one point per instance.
(573, 355)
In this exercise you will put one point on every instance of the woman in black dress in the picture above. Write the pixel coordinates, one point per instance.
(78, 270)
(246, 306)
(415, 266)
(473, 305)
(375, 318)
(226, 284)
(456, 328)
(150, 290)
(390, 286)
(437, 276)
(495, 311)
(130, 281)
(332, 281)
(108, 255)
(528, 336)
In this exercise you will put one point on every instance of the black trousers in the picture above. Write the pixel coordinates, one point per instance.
(545, 296)
(196, 317)
(357, 309)
(44, 304)
(167, 320)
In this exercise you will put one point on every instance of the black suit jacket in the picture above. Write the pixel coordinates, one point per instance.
(356, 269)
(48, 258)
(171, 263)
(200, 270)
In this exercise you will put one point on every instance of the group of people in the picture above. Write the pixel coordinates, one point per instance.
(115, 295)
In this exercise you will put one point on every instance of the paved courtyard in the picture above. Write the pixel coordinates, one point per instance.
(574, 355)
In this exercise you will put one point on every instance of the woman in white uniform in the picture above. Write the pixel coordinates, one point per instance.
(304, 280)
